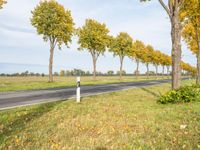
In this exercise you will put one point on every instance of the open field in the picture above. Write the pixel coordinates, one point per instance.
(122, 120)
(29, 83)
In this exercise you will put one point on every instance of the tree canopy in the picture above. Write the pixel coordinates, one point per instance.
(53, 22)
(190, 17)
(93, 36)
(137, 50)
(121, 45)
(2, 2)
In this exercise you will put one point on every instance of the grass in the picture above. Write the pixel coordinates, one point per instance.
(128, 119)
(29, 83)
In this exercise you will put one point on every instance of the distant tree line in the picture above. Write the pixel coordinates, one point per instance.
(23, 74)
(79, 72)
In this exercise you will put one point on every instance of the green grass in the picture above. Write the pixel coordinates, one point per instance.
(29, 83)
(128, 119)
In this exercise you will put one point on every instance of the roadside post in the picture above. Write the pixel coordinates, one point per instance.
(78, 90)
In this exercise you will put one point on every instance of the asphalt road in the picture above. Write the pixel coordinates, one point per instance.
(23, 98)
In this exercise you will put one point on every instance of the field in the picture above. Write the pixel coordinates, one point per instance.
(128, 119)
(29, 83)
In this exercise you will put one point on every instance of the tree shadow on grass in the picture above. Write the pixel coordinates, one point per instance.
(151, 92)
(18, 124)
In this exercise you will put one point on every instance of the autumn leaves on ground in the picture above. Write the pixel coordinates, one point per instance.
(129, 119)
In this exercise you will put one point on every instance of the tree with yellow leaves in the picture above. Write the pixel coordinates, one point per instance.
(93, 36)
(163, 62)
(190, 17)
(168, 63)
(156, 60)
(173, 8)
(121, 46)
(188, 68)
(148, 57)
(2, 2)
(136, 53)
(55, 24)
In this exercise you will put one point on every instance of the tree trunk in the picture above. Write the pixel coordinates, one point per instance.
(94, 67)
(163, 71)
(173, 10)
(176, 50)
(51, 62)
(121, 66)
(137, 69)
(147, 65)
(198, 57)
(156, 66)
(168, 73)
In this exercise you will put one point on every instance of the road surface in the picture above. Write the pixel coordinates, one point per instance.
(23, 98)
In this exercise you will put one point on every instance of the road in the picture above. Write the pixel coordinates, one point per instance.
(22, 98)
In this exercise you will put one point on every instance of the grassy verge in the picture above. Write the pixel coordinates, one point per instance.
(123, 120)
(29, 83)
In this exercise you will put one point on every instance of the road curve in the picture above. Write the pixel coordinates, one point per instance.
(22, 98)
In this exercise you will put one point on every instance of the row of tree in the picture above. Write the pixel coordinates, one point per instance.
(76, 72)
(56, 25)
(23, 74)
(147, 55)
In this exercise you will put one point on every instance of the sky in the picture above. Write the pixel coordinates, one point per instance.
(20, 44)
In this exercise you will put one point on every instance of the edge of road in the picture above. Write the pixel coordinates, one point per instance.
(155, 82)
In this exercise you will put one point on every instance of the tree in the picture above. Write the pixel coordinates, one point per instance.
(187, 67)
(164, 63)
(2, 2)
(168, 63)
(137, 53)
(148, 57)
(56, 74)
(62, 73)
(173, 9)
(190, 17)
(121, 46)
(123, 72)
(68, 73)
(55, 24)
(93, 36)
(87, 73)
(78, 72)
(156, 60)
(110, 72)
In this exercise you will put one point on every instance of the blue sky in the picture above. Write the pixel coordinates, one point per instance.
(20, 44)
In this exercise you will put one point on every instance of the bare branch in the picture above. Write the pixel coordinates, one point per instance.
(166, 8)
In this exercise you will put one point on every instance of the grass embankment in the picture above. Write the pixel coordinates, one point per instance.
(29, 83)
(123, 120)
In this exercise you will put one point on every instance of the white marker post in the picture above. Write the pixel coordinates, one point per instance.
(78, 90)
